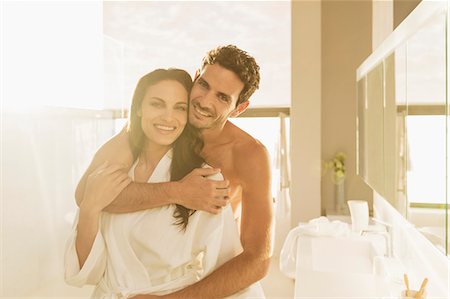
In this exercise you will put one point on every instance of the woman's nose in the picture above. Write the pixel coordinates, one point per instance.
(168, 114)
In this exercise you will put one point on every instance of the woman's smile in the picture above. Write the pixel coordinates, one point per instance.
(164, 129)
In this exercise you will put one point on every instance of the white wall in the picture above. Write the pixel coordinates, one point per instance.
(382, 21)
(346, 42)
(306, 111)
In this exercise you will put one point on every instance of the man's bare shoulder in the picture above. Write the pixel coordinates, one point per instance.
(251, 166)
(248, 152)
(249, 148)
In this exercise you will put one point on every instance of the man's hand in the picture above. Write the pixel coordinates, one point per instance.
(196, 191)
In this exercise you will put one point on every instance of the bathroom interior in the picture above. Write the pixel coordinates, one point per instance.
(361, 81)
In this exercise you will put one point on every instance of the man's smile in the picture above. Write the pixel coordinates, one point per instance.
(201, 111)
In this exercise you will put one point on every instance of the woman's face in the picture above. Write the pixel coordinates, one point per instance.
(163, 112)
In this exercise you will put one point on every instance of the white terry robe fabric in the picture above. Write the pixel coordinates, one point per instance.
(145, 253)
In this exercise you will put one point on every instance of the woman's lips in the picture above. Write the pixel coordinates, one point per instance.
(164, 129)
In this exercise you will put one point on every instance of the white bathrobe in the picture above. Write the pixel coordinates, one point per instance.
(145, 253)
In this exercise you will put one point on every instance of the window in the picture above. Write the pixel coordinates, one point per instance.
(426, 159)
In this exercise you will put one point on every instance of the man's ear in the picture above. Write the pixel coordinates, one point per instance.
(240, 108)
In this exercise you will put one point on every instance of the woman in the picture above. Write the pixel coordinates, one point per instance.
(155, 251)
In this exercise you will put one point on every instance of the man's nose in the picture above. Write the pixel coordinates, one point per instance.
(206, 99)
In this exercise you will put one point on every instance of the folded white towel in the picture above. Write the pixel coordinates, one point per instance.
(318, 227)
(323, 227)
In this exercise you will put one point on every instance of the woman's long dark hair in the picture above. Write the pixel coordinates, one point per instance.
(187, 147)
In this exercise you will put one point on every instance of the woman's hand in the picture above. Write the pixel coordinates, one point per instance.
(103, 185)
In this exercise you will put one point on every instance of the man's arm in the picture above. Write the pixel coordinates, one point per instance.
(194, 191)
(253, 263)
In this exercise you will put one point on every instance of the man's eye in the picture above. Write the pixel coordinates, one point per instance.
(223, 98)
(202, 83)
(181, 108)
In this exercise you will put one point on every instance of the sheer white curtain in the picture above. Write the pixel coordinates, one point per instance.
(51, 55)
(43, 156)
(282, 198)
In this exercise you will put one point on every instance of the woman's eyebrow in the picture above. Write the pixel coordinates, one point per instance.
(162, 100)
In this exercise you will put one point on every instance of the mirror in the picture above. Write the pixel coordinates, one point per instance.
(394, 130)
(374, 111)
(402, 128)
(425, 124)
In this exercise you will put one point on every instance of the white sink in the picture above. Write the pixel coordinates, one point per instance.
(336, 267)
(342, 255)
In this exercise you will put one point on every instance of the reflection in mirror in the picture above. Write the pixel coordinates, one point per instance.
(394, 129)
(373, 130)
(426, 131)
(361, 155)
(393, 133)
(447, 197)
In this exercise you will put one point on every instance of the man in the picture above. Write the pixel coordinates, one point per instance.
(222, 88)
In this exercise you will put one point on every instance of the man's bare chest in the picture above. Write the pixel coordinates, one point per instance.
(223, 159)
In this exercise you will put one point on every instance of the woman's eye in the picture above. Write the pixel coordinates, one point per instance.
(156, 104)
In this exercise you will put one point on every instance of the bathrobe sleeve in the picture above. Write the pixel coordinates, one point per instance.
(95, 265)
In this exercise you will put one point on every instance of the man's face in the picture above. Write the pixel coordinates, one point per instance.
(213, 97)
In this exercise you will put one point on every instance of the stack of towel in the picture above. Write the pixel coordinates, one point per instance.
(318, 227)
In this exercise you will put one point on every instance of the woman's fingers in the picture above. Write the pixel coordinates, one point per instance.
(99, 169)
(124, 182)
(108, 177)
(118, 176)
(109, 171)
(113, 168)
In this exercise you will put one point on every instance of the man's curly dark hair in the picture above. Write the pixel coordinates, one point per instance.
(239, 62)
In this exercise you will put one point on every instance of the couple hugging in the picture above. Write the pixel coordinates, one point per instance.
(178, 204)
